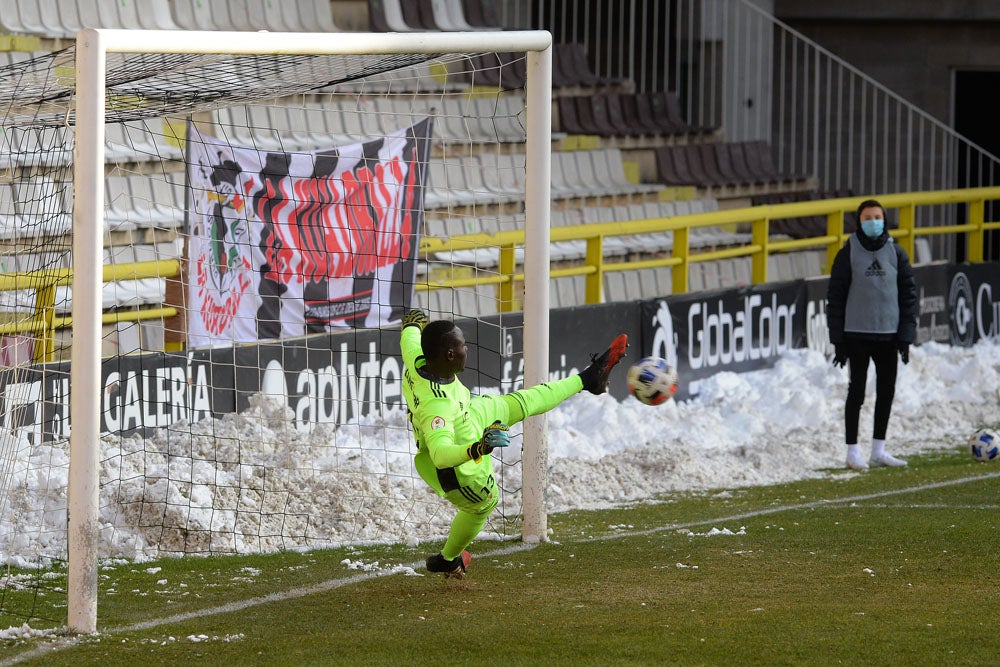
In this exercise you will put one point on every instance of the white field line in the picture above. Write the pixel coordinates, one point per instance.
(333, 584)
(798, 506)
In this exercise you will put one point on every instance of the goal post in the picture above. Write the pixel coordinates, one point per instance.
(91, 107)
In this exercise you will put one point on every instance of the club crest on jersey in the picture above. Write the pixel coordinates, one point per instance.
(437, 422)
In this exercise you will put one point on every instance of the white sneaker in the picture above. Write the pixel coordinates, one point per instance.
(886, 460)
(856, 462)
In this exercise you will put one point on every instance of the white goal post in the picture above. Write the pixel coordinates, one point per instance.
(92, 49)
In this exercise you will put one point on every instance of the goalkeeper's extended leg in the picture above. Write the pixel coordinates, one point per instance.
(544, 397)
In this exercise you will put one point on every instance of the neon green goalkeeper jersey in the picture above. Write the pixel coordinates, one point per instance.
(439, 412)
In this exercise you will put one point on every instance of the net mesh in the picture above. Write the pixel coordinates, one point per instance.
(296, 442)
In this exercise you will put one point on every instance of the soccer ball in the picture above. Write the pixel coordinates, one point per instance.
(652, 380)
(984, 445)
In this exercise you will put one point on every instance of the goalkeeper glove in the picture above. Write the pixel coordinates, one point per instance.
(415, 318)
(494, 435)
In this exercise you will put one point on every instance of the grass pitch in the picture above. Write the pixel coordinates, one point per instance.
(893, 566)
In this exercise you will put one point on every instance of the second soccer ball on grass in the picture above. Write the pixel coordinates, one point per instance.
(652, 380)
(984, 445)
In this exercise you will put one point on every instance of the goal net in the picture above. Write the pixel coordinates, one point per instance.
(205, 259)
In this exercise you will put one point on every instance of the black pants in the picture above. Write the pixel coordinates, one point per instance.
(859, 353)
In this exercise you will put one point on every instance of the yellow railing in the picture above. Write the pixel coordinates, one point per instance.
(758, 249)
(44, 321)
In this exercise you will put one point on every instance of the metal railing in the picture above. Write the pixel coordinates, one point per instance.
(761, 245)
(735, 66)
(44, 321)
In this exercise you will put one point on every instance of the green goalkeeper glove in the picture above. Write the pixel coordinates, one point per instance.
(494, 435)
(415, 318)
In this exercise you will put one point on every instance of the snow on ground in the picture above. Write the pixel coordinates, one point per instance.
(251, 482)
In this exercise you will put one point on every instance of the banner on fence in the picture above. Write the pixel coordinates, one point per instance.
(286, 244)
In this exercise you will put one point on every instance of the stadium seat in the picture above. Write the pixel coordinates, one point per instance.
(639, 243)
(671, 171)
(117, 204)
(497, 70)
(565, 180)
(585, 167)
(416, 14)
(590, 115)
(253, 15)
(451, 122)
(663, 109)
(610, 169)
(353, 120)
(626, 124)
(39, 17)
(448, 184)
(44, 207)
(758, 159)
(152, 15)
(567, 118)
(504, 173)
(692, 155)
(137, 201)
(570, 61)
(247, 15)
(8, 213)
(323, 127)
(156, 201)
(448, 15)
(387, 16)
(499, 118)
(638, 123)
(922, 251)
(313, 15)
(613, 245)
(470, 120)
(394, 113)
(42, 146)
(569, 291)
(477, 301)
(482, 191)
(566, 250)
(198, 15)
(807, 263)
(614, 287)
(656, 282)
(779, 267)
(91, 14)
(481, 14)
(724, 165)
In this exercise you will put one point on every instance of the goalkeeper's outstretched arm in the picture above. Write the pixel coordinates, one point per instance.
(409, 337)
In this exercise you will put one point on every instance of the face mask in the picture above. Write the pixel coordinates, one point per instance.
(872, 228)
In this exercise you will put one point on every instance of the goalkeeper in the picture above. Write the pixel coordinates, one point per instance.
(455, 432)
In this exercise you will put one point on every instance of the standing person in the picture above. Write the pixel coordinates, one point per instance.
(455, 432)
(871, 310)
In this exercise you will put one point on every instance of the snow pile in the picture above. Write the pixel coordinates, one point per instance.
(252, 482)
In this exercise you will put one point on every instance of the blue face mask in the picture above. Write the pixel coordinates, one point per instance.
(873, 228)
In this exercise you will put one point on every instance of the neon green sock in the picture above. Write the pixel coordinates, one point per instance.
(541, 398)
(464, 528)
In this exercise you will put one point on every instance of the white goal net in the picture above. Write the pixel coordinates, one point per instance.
(214, 250)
